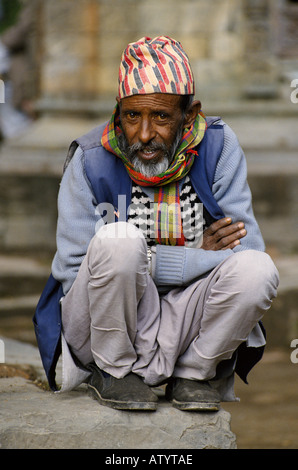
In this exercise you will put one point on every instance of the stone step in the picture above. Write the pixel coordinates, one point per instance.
(16, 315)
(18, 305)
(33, 418)
(22, 276)
(75, 421)
(22, 279)
(273, 182)
(28, 213)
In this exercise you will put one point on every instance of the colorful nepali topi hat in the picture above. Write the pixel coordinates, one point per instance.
(157, 65)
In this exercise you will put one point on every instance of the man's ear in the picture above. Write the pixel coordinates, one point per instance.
(192, 113)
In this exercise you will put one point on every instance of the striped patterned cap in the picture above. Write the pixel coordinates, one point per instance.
(157, 65)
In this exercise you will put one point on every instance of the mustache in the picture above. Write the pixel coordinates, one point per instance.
(151, 147)
(131, 150)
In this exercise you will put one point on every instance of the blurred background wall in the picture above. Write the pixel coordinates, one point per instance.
(60, 75)
(59, 65)
(61, 80)
(238, 49)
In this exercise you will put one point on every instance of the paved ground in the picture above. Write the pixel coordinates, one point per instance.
(267, 415)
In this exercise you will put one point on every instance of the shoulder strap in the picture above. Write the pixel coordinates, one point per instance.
(87, 141)
(215, 145)
(203, 170)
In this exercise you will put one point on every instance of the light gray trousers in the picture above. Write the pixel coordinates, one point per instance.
(114, 315)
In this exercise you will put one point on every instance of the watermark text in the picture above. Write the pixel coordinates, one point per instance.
(294, 353)
(147, 217)
(294, 94)
(2, 92)
(2, 351)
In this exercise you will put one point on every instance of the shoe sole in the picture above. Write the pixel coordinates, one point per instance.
(122, 405)
(195, 406)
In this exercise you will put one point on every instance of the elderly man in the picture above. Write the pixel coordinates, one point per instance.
(161, 263)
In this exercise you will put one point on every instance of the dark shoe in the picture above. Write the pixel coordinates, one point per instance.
(192, 395)
(129, 393)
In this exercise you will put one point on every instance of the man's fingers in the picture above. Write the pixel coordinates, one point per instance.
(213, 228)
(230, 241)
(223, 229)
(222, 234)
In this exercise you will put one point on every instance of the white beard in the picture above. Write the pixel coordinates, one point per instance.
(150, 168)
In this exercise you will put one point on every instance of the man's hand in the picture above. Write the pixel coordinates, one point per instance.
(222, 235)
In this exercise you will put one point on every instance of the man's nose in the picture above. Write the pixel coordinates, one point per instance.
(146, 131)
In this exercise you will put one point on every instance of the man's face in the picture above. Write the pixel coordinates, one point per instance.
(152, 129)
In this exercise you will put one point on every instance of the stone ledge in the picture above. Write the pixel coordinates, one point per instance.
(32, 418)
(35, 419)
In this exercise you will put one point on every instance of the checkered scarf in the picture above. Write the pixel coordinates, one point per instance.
(168, 225)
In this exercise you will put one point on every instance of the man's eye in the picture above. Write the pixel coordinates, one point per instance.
(161, 116)
(131, 115)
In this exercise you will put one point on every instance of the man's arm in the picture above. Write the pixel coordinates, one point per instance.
(77, 218)
(233, 194)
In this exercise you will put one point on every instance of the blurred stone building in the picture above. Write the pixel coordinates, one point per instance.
(239, 49)
(244, 55)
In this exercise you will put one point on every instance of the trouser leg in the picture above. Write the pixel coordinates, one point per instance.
(204, 324)
(238, 294)
(100, 312)
(113, 314)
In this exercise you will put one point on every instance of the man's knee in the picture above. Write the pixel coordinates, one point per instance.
(120, 247)
(257, 264)
(256, 269)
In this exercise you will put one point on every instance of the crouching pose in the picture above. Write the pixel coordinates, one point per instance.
(161, 265)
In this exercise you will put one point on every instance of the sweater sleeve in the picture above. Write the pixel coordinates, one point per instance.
(77, 219)
(182, 265)
(232, 191)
